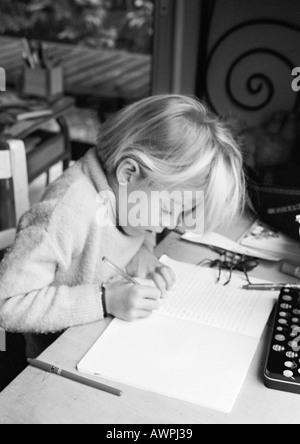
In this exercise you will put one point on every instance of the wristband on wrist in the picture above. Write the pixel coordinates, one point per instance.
(103, 297)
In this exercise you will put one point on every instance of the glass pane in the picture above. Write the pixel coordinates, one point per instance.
(104, 46)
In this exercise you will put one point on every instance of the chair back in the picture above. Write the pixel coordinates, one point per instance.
(13, 165)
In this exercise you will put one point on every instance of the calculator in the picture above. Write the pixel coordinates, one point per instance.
(282, 370)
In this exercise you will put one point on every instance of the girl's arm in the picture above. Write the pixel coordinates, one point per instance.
(29, 301)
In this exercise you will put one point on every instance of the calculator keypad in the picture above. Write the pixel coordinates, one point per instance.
(283, 363)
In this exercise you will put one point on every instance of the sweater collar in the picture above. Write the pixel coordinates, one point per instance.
(93, 169)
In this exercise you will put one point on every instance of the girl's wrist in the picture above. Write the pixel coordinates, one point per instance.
(103, 299)
(108, 300)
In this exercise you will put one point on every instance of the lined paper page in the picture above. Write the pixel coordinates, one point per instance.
(198, 297)
(174, 358)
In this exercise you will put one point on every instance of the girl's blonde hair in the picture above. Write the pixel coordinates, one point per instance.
(179, 145)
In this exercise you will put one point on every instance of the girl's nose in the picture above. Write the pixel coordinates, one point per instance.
(170, 221)
(173, 224)
(166, 220)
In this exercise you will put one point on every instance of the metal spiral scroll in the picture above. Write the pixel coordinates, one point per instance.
(257, 83)
(260, 88)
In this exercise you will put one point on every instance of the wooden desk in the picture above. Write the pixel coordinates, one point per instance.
(37, 397)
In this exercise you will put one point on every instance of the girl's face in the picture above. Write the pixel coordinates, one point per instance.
(142, 209)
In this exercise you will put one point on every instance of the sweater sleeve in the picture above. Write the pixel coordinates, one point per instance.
(29, 301)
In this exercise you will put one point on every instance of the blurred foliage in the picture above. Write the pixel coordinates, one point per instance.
(81, 21)
(137, 28)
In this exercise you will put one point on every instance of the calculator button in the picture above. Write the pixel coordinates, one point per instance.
(296, 312)
(278, 348)
(294, 345)
(296, 320)
(288, 374)
(286, 306)
(287, 298)
(282, 321)
(280, 338)
(290, 364)
(292, 355)
(284, 314)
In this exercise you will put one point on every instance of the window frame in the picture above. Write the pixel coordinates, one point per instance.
(176, 46)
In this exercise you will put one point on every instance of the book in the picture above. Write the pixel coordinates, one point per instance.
(196, 348)
(224, 243)
(34, 115)
(267, 240)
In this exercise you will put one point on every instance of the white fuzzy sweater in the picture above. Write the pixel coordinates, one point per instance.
(50, 278)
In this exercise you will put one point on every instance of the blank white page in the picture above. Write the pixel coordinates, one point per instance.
(175, 358)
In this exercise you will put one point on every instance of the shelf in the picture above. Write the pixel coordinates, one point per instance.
(49, 150)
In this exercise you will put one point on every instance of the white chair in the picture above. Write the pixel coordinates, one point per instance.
(13, 166)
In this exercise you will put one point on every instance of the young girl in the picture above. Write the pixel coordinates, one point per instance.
(51, 279)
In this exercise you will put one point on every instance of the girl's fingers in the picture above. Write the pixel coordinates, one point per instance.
(160, 283)
(172, 273)
(149, 305)
(147, 292)
(142, 314)
(168, 275)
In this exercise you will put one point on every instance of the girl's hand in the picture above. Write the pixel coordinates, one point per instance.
(130, 302)
(145, 265)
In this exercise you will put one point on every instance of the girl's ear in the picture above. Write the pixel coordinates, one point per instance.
(128, 172)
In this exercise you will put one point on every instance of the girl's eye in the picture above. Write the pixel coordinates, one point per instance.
(180, 220)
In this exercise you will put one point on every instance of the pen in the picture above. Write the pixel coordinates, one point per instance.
(120, 271)
(271, 287)
(28, 54)
(73, 377)
(25, 58)
(43, 56)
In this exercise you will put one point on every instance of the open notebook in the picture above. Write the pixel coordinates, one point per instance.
(197, 348)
